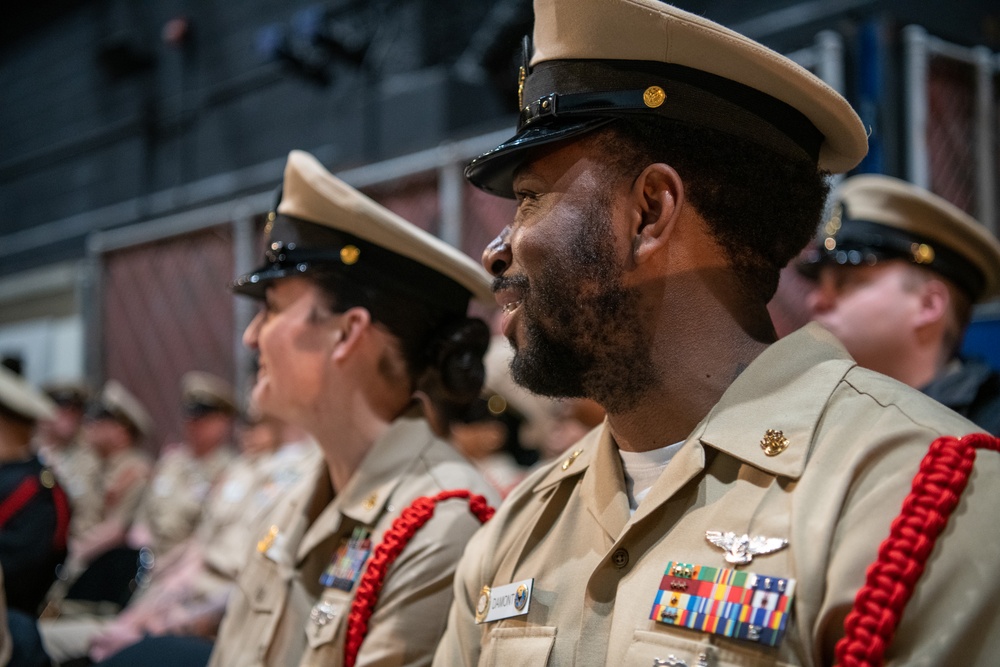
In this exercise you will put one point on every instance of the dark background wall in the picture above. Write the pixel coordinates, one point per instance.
(127, 116)
(103, 106)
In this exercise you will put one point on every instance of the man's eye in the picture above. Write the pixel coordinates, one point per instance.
(525, 195)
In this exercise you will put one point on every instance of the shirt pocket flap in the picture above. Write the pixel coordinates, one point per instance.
(668, 648)
(327, 617)
(526, 646)
(263, 584)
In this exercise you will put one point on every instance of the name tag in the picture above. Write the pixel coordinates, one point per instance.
(272, 545)
(504, 601)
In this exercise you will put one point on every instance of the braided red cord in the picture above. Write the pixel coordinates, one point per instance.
(392, 544)
(61, 504)
(18, 498)
(937, 488)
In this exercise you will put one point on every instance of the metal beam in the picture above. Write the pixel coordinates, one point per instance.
(160, 209)
(797, 15)
(915, 79)
(986, 146)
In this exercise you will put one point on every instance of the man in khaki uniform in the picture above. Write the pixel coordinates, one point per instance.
(898, 270)
(60, 445)
(186, 472)
(726, 511)
(248, 492)
(118, 425)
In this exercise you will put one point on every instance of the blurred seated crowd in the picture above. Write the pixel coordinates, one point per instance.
(102, 544)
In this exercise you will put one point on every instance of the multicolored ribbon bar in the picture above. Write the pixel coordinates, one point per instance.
(347, 562)
(731, 603)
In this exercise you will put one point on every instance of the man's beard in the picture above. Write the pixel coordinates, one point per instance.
(583, 334)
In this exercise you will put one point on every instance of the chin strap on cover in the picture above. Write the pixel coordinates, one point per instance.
(937, 489)
(392, 544)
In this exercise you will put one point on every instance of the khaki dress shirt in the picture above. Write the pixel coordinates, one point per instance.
(78, 470)
(854, 440)
(177, 493)
(123, 479)
(239, 506)
(247, 490)
(280, 614)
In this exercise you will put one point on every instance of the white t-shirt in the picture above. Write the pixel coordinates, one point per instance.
(642, 470)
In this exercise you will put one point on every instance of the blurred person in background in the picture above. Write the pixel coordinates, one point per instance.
(116, 426)
(34, 510)
(572, 419)
(143, 512)
(60, 445)
(190, 584)
(504, 430)
(788, 307)
(186, 471)
(488, 435)
(898, 270)
(362, 333)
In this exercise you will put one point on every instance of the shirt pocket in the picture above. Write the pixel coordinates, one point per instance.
(528, 646)
(262, 585)
(660, 648)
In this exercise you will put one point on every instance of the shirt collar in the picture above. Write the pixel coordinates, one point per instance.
(364, 498)
(575, 460)
(366, 494)
(783, 391)
(779, 398)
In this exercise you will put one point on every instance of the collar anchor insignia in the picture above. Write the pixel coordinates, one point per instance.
(740, 549)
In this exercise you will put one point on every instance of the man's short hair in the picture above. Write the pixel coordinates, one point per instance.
(762, 208)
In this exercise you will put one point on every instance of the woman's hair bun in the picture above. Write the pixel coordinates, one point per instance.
(456, 358)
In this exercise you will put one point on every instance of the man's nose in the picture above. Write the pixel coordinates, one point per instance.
(497, 256)
(250, 333)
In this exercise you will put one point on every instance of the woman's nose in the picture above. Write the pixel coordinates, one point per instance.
(820, 298)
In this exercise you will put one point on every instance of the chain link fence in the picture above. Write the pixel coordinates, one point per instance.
(952, 107)
(166, 309)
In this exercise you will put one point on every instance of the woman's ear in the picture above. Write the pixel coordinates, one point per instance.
(351, 328)
(433, 416)
(658, 195)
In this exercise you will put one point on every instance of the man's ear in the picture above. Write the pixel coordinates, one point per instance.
(658, 194)
(934, 302)
(353, 325)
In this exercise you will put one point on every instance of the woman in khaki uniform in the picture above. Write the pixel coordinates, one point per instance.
(362, 335)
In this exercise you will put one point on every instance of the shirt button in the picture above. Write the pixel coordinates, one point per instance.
(620, 558)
